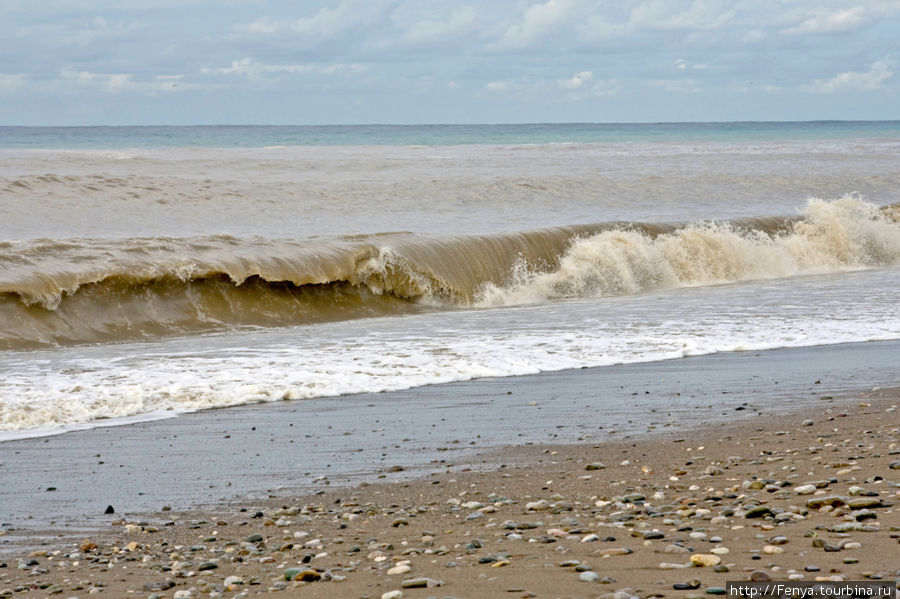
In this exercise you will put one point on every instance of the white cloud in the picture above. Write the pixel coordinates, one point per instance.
(682, 65)
(10, 83)
(753, 36)
(428, 31)
(577, 81)
(536, 22)
(677, 86)
(81, 32)
(668, 15)
(253, 69)
(327, 23)
(119, 82)
(497, 86)
(830, 22)
(874, 78)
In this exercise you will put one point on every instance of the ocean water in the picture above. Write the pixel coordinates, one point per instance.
(152, 271)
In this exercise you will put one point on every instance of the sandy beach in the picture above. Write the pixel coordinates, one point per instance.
(775, 490)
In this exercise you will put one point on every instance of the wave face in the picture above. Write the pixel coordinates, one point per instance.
(86, 291)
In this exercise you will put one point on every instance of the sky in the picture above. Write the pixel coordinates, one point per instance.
(182, 62)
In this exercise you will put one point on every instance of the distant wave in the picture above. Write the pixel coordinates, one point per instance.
(55, 292)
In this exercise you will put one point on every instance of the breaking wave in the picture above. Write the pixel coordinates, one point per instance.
(85, 290)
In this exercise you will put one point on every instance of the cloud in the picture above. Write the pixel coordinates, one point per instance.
(668, 15)
(10, 83)
(81, 32)
(874, 78)
(118, 82)
(582, 85)
(497, 86)
(681, 64)
(830, 22)
(253, 69)
(536, 22)
(428, 31)
(327, 22)
(677, 86)
(577, 81)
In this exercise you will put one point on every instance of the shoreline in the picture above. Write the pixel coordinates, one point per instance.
(214, 457)
(806, 496)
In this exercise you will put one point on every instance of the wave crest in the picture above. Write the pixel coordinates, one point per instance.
(83, 291)
(834, 236)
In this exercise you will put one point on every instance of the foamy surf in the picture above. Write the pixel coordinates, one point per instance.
(828, 237)
(57, 389)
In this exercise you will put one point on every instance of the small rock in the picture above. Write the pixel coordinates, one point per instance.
(615, 551)
(687, 586)
(705, 560)
(421, 583)
(805, 490)
(819, 502)
(757, 511)
(759, 576)
(772, 550)
(392, 595)
(595, 466)
(159, 586)
(588, 576)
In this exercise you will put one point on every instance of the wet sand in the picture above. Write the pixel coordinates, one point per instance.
(727, 469)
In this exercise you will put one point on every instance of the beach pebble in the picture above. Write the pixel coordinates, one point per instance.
(687, 586)
(805, 490)
(421, 583)
(772, 550)
(595, 466)
(705, 560)
(759, 576)
(757, 511)
(615, 551)
(398, 594)
(719, 551)
(588, 576)
(399, 569)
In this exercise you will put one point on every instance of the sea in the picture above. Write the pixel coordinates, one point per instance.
(147, 272)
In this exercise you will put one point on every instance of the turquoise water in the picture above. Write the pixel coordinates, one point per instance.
(433, 135)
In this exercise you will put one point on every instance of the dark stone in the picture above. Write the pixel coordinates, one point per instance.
(110, 510)
(686, 586)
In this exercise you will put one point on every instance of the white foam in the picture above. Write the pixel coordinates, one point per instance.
(47, 390)
(835, 236)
